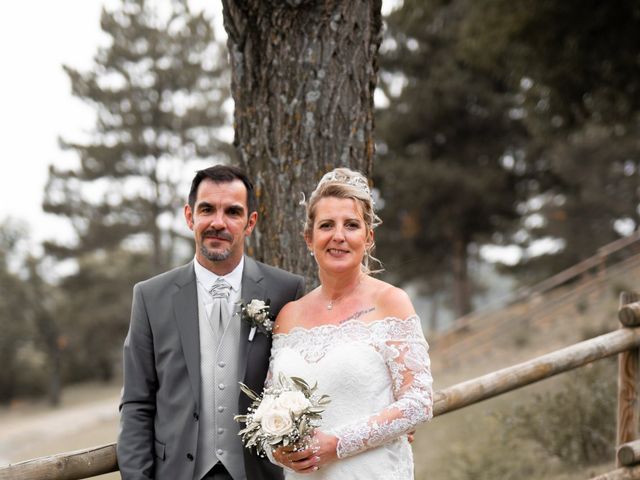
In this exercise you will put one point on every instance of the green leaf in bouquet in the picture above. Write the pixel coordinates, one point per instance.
(253, 439)
(315, 410)
(248, 392)
(303, 425)
(249, 429)
(299, 382)
(283, 380)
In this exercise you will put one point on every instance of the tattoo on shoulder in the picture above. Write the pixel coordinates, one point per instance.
(358, 314)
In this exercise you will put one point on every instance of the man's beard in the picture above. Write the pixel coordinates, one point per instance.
(215, 256)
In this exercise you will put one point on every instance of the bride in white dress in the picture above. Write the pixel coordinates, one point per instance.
(361, 341)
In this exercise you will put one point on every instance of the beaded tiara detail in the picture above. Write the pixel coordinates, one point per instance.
(339, 177)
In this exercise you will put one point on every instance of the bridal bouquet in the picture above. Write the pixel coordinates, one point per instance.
(284, 414)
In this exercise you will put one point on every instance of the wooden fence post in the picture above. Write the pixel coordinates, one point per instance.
(628, 375)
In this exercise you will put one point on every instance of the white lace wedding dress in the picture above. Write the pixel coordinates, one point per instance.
(379, 379)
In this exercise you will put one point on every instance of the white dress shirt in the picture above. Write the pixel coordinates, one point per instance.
(206, 278)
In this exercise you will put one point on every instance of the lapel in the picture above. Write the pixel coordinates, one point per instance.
(252, 287)
(185, 311)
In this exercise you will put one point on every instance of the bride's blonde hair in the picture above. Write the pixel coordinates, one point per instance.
(346, 183)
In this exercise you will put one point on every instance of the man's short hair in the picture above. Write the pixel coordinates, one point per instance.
(223, 174)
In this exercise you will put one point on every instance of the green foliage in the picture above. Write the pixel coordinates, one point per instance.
(581, 56)
(95, 317)
(514, 123)
(445, 134)
(22, 359)
(501, 458)
(577, 423)
(572, 70)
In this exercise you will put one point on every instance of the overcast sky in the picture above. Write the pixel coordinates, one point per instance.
(36, 38)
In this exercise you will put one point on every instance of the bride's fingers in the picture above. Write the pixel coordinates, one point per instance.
(307, 465)
(299, 455)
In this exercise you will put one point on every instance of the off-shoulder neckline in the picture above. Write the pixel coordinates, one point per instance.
(336, 326)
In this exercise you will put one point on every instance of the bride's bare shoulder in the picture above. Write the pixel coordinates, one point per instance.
(290, 315)
(392, 301)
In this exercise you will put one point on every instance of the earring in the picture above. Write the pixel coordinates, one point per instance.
(311, 252)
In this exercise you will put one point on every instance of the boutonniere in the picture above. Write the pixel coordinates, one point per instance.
(258, 314)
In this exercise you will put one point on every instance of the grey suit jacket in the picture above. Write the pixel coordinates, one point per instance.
(159, 409)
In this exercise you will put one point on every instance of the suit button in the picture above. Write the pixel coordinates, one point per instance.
(219, 452)
(220, 431)
(221, 364)
(196, 416)
(221, 386)
(190, 457)
(221, 409)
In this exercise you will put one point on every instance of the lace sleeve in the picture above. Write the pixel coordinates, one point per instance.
(406, 354)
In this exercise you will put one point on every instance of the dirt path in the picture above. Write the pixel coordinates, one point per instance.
(86, 418)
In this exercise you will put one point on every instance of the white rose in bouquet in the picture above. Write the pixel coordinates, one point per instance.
(293, 401)
(277, 422)
(267, 403)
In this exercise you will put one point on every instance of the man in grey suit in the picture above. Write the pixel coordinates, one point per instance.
(187, 348)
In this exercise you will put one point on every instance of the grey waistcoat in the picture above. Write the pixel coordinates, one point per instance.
(218, 438)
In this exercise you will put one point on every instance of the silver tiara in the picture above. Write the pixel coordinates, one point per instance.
(339, 177)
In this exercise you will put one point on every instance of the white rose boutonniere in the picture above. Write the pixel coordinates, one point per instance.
(257, 313)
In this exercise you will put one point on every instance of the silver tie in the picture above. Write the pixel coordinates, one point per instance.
(219, 317)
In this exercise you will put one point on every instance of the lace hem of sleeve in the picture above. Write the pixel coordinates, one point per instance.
(406, 354)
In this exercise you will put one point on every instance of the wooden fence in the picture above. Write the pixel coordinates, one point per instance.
(624, 342)
(481, 334)
(593, 269)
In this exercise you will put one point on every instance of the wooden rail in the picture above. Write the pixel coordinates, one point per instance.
(629, 453)
(98, 460)
(85, 463)
(523, 374)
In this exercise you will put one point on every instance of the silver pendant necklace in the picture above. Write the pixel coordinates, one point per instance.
(332, 300)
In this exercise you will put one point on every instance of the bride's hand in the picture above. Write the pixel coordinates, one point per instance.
(322, 450)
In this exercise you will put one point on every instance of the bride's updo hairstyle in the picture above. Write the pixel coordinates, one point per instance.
(346, 183)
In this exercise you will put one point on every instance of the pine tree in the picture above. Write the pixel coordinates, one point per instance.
(446, 137)
(573, 65)
(158, 88)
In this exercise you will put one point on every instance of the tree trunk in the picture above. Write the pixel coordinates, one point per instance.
(55, 375)
(303, 78)
(461, 288)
